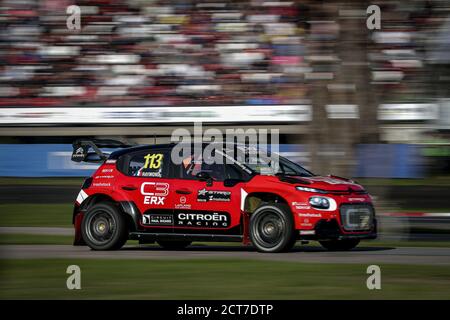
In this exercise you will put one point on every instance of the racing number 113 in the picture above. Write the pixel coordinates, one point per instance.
(153, 161)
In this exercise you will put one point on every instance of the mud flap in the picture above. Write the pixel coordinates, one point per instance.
(246, 229)
(78, 239)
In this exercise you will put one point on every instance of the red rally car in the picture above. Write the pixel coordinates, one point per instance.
(140, 193)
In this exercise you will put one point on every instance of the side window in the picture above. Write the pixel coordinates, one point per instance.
(287, 169)
(234, 173)
(190, 167)
(152, 164)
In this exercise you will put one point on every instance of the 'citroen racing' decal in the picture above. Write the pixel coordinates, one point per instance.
(203, 219)
(204, 195)
(189, 219)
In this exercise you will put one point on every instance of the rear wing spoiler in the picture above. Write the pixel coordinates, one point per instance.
(90, 150)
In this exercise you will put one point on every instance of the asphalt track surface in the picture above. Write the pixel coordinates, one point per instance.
(54, 231)
(67, 194)
(309, 254)
(38, 194)
(312, 254)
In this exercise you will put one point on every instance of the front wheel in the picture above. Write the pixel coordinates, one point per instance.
(272, 228)
(104, 227)
(339, 245)
(174, 245)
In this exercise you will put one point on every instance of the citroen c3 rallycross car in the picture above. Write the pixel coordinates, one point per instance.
(139, 193)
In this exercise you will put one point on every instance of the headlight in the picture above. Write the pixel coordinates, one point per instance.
(310, 190)
(319, 202)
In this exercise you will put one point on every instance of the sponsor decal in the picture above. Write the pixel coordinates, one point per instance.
(204, 195)
(79, 154)
(107, 170)
(190, 219)
(301, 205)
(356, 199)
(101, 184)
(154, 200)
(306, 224)
(310, 215)
(104, 177)
(157, 219)
(183, 204)
(203, 219)
(307, 232)
(155, 174)
(154, 192)
(332, 180)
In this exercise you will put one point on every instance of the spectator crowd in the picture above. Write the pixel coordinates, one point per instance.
(204, 52)
(141, 53)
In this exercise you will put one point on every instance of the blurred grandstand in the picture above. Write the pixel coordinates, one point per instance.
(139, 68)
(147, 53)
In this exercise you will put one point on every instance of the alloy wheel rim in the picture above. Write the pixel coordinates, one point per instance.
(269, 229)
(101, 227)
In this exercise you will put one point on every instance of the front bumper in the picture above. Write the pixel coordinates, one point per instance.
(330, 230)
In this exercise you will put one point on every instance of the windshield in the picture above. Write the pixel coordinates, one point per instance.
(278, 166)
(266, 163)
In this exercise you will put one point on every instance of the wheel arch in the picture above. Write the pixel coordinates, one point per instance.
(254, 199)
(89, 202)
(126, 207)
(284, 236)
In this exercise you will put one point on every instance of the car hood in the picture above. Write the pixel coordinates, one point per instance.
(328, 183)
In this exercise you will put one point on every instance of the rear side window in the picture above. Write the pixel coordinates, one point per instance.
(151, 164)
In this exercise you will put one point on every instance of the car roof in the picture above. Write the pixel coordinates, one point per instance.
(120, 152)
(168, 146)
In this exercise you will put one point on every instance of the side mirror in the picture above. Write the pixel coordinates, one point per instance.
(231, 182)
(204, 176)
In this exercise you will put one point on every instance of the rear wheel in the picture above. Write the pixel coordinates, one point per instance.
(272, 228)
(174, 245)
(339, 245)
(104, 227)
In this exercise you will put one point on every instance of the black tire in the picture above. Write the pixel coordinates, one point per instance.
(174, 245)
(272, 228)
(339, 245)
(104, 227)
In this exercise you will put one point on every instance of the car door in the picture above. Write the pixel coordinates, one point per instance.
(148, 185)
(205, 206)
